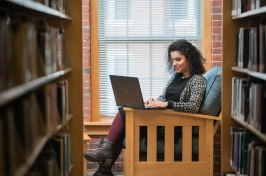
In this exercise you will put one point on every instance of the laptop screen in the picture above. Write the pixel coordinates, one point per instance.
(127, 91)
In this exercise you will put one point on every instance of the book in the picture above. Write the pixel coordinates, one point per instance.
(237, 150)
(234, 145)
(262, 45)
(246, 138)
(60, 49)
(260, 3)
(58, 145)
(53, 106)
(261, 160)
(46, 39)
(68, 152)
(256, 105)
(246, 47)
(252, 50)
(41, 130)
(234, 7)
(67, 158)
(244, 100)
(19, 44)
(21, 124)
(252, 157)
(46, 163)
(234, 98)
(252, 103)
(15, 153)
(24, 42)
(5, 54)
(262, 119)
(47, 100)
(61, 100)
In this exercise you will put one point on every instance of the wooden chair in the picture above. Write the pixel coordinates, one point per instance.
(168, 118)
(207, 125)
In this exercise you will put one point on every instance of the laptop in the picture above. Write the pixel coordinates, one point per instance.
(127, 92)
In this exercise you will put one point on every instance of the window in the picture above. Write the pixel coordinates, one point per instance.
(133, 38)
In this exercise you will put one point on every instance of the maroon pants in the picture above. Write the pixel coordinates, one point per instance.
(116, 135)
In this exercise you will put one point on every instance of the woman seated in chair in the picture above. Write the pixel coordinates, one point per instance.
(184, 92)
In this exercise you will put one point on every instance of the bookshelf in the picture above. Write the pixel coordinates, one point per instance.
(41, 120)
(235, 94)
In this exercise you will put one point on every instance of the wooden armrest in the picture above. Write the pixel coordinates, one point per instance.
(168, 111)
(172, 113)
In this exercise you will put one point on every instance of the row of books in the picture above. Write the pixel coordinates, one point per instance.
(241, 6)
(248, 153)
(52, 46)
(249, 102)
(24, 122)
(54, 103)
(55, 158)
(22, 126)
(251, 43)
(29, 49)
(59, 5)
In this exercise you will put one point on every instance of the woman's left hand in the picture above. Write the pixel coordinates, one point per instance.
(158, 104)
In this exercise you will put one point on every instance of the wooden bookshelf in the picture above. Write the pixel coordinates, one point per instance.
(26, 125)
(231, 26)
(35, 8)
(250, 73)
(18, 91)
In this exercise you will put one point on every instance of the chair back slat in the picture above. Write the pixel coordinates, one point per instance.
(187, 143)
(202, 143)
(136, 144)
(169, 144)
(152, 144)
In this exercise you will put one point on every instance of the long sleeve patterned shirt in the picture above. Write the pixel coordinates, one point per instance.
(190, 98)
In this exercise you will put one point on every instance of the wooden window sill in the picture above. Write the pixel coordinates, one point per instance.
(100, 127)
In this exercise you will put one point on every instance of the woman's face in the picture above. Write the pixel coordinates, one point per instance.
(180, 63)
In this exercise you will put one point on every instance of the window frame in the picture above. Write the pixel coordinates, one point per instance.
(95, 97)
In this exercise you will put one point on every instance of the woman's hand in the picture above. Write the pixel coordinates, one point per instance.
(149, 101)
(152, 103)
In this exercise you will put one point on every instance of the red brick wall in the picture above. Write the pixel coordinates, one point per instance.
(216, 60)
(86, 62)
(217, 32)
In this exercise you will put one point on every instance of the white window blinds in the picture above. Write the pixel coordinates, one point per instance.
(133, 38)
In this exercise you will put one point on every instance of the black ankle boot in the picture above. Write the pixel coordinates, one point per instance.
(104, 169)
(103, 153)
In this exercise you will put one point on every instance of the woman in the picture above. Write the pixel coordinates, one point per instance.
(184, 92)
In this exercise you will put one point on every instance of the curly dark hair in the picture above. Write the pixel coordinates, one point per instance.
(191, 53)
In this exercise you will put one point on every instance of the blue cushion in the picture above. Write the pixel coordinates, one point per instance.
(211, 104)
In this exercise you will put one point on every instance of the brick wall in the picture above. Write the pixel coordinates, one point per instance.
(216, 32)
(216, 61)
(86, 62)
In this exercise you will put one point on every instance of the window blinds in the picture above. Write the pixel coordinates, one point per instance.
(133, 39)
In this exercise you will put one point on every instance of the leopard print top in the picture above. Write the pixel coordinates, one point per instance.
(192, 95)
